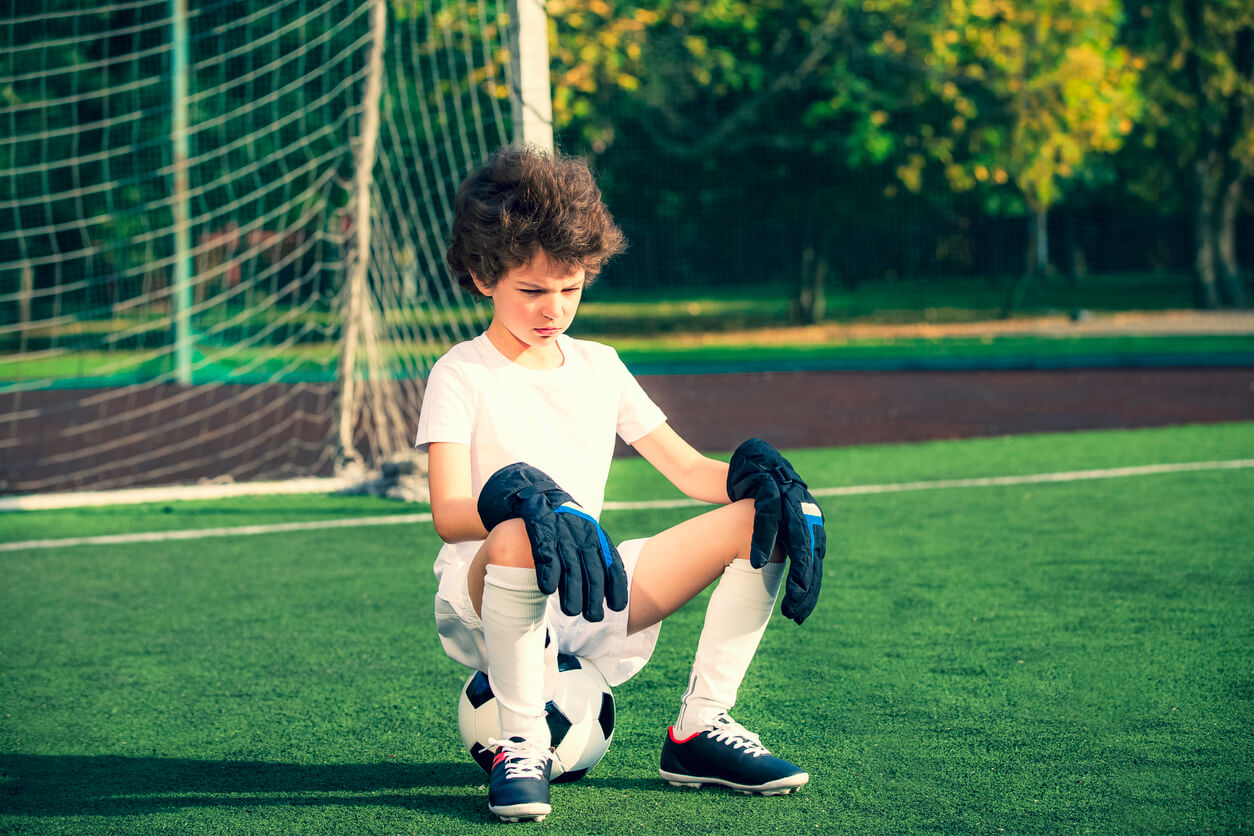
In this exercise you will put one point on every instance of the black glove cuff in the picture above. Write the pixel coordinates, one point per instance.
(753, 460)
(505, 491)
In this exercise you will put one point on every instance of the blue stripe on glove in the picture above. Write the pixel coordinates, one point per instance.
(602, 537)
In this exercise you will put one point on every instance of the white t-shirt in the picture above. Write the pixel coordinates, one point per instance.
(562, 421)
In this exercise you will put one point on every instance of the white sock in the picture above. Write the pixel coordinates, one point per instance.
(514, 630)
(740, 607)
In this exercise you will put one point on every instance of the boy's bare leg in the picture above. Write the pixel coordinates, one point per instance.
(678, 563)
(674, 567)
(705, 745)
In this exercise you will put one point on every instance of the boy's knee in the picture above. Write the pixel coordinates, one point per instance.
(743, 508)
(746, 511)
(508, 545)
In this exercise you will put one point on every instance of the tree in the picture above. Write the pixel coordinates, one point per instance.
(714, 95)
(1031, 95)
(763, 116)
(702, 76)
(1009, 100)
(1199, 87)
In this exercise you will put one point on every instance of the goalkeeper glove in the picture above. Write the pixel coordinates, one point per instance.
(573, 554)
(785, 510)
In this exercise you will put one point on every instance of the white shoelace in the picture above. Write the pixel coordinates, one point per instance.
(727, 730)
(522, 760)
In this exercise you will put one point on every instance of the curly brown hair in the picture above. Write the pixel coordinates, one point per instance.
(523, 201)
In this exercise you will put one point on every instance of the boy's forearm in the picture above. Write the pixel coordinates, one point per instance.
(457, 520)
(697, 475)
(706, 480)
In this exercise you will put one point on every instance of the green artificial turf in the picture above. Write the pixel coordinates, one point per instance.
(189, 514)
(1061, 658)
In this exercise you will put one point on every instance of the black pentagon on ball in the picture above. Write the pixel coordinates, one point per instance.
(606, 717)
(479, 690)
(568, 662)
(559, 723)
(483, 757)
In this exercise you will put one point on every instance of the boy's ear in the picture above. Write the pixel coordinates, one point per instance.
(485, 289)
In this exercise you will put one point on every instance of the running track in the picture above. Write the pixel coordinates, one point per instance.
(715, 412)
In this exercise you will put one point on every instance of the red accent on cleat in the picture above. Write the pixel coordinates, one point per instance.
(671, 732)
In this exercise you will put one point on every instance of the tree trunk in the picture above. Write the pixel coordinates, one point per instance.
(1231, 288)
(812, 299)
(1077, 262)
(818, 310)
(1041, 228)
(1037, 261)
(1205, 286)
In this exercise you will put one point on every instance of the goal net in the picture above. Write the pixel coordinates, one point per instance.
(221, 227)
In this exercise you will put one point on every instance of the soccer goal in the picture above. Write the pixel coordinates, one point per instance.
(221, 226)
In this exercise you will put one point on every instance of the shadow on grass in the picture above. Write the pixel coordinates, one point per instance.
(108, 785)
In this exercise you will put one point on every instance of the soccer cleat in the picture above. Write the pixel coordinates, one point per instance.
(729, 755)
(518, 788)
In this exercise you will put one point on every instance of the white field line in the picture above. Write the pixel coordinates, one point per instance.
(851, 490)
(170, 493)
(198, 533)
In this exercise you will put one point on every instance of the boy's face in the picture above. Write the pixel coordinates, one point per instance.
(534, 303)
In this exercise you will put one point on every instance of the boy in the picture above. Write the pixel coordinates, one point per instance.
(519, 424)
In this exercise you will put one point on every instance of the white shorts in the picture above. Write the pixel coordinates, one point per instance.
(605, 644)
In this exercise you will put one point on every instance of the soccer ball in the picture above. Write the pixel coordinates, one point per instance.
(580, 718)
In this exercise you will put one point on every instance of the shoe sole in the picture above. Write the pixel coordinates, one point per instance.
(780, 786)
(521, 812)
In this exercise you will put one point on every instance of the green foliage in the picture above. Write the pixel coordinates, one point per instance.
(933, 114)
(62, 94)
(1034, 91)
(1199, 83)
(878, 135)
(1198, 78)
(997, 91)
(90, 156)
